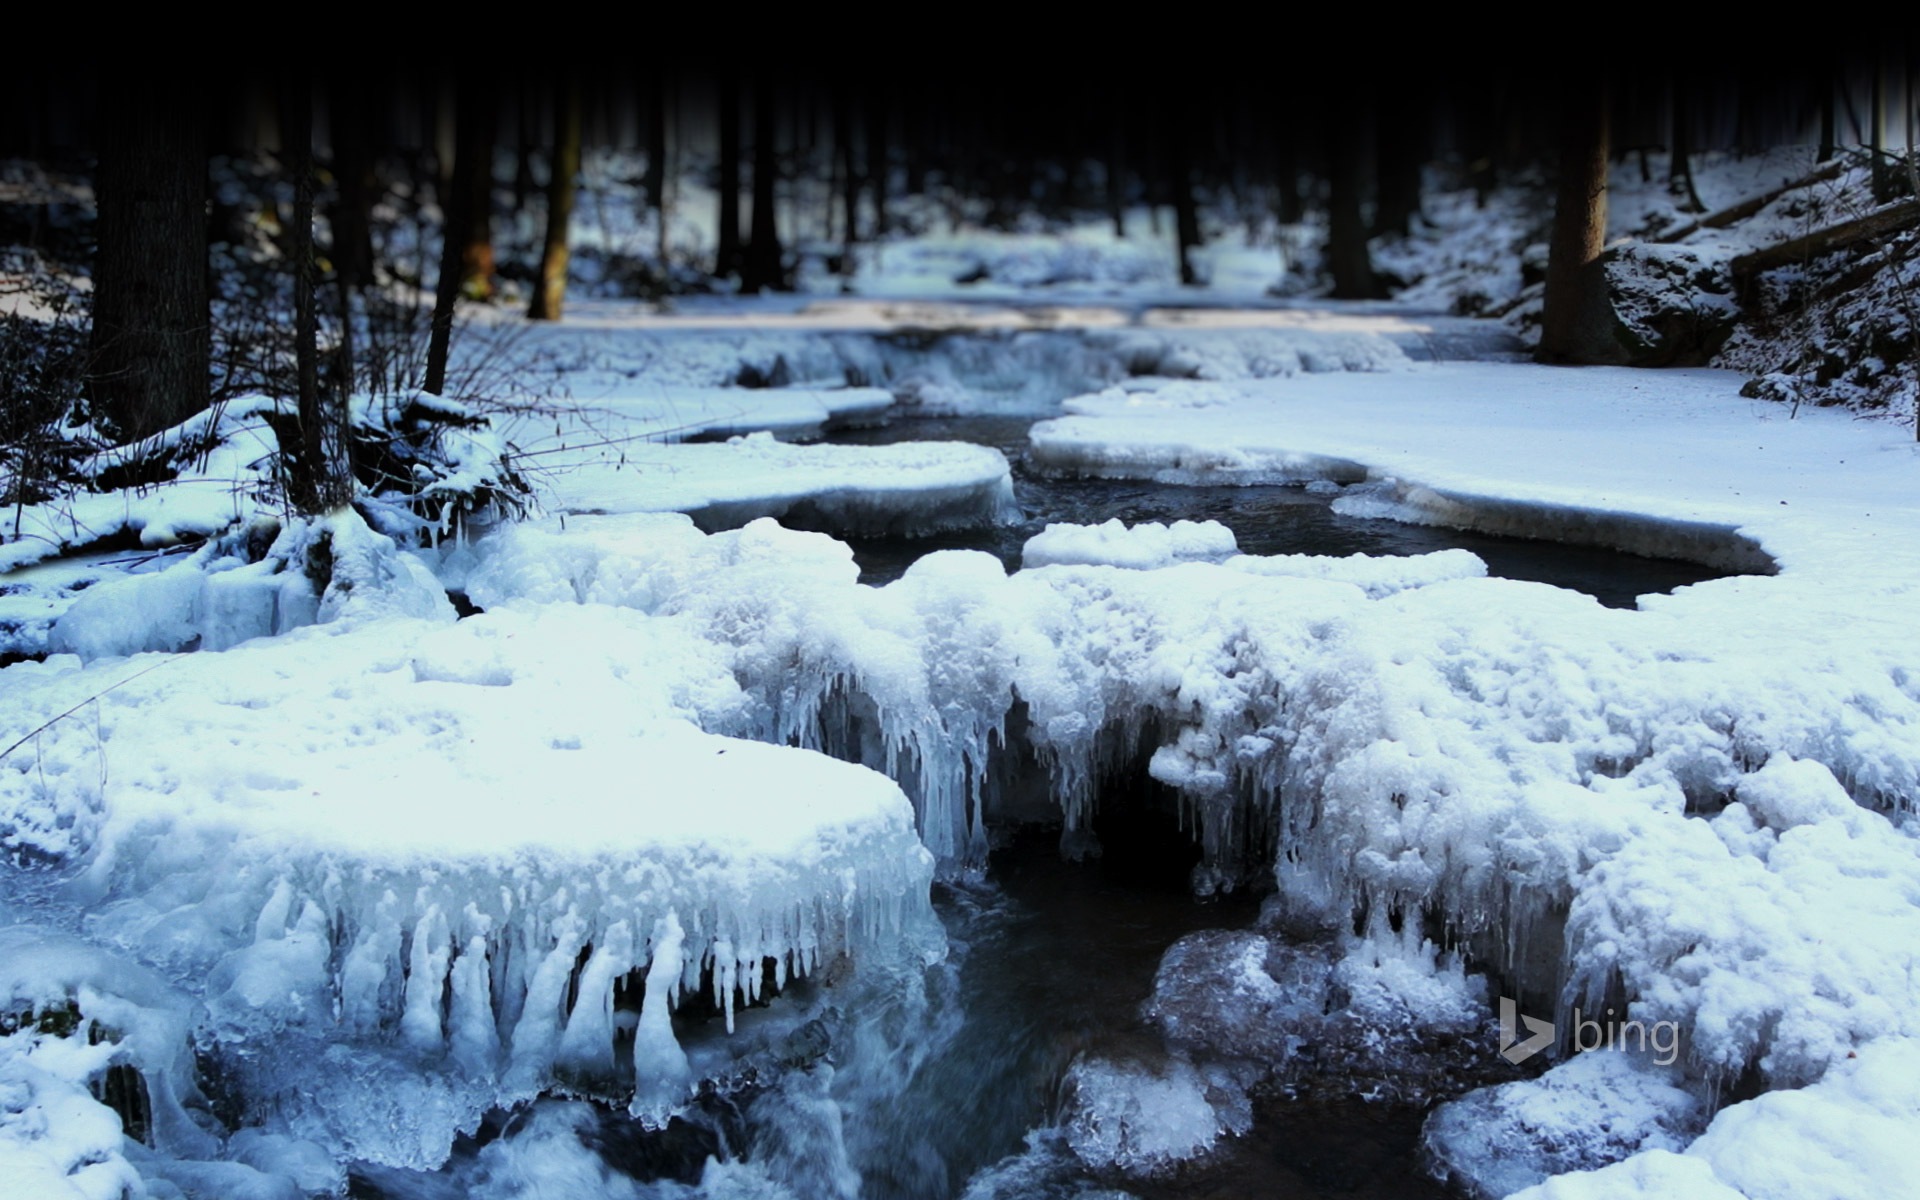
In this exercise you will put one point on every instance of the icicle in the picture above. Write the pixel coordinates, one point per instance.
(661, 1074)
(371, 967)
(420, 1025)
(725, 968)
(587, 1043)
(475, 1037)
(538, 1030)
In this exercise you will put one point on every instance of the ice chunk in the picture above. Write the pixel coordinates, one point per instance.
(1146, 545)
(1141, 1119)
(1594, 1109)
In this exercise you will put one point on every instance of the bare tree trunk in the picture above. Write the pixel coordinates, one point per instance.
(457, 220)
(727, 258)
(849, 177)
(1680, 151)
(1186, 216)
(1348, 258)
(763, 269)
(150, 351)
(655, 179)
(550, 294)
(1401, 150)
(1576, 324)
(352, 218)
(313, 483)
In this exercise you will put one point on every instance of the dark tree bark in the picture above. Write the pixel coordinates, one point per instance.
(1117, 171)
(473, 175)
(150, 350)
(1877, 132)
(1680, 148)
(352, 216)
(878, 176)
(1347, 257)
(1186, 216)
(1825, 83)
(550, 292)
(727, 259)
(316, 483)
(655, 180)
(1401, 146)
(1576, 323)
(846, 167)
(458, 222)
(763, 269)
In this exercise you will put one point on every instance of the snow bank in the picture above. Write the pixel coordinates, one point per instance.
(1594, 1109)
(222, 595)
(1142, 1120)
(384, 842)
(1149, 544)
(1844, 1136)
(908, 488)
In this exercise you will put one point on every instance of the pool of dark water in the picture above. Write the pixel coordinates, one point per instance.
(1264, 520)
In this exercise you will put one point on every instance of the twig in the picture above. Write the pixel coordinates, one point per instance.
(51, 721)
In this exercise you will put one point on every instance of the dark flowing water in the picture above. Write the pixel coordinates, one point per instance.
(1264, 520)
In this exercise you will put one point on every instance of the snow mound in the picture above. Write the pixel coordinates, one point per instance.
(1139, 1119)
(908, 488)
(1379, 1016)
(1594, 1109)
(221, 596)
(1843, 1136)
(1377, 576)
(394, 841)
(1144, 546)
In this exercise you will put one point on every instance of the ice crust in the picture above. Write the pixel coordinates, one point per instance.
(1506, 755)
(386, 842)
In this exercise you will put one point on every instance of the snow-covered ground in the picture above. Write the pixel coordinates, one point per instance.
(384, 870)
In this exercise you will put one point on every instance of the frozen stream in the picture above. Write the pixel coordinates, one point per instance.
(1264, 520)
(1051, 964)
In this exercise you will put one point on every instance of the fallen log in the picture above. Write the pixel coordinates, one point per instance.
(1879, 223)
(1751, 205)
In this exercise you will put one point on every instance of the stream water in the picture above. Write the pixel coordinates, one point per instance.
(1050, 963)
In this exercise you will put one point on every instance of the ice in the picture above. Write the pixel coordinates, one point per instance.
(1149, 544)
(1380, 1016)
(1843, 1136)
(1594, 1109)
(1377, 576)
(391, 838)
(904, 489)
(217, 598)
(1141, 1119)
(678, 413)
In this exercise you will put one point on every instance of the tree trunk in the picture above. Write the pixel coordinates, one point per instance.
(1576, 323)
(1347, 256)
(1401, 149)
(878, 177)
(150, 351)
(352, 217)
(314, 484)
(454, 240)
(849, 178)
(655, 179)
(727, 256)
(1680, 150)
(550, 293)
(763, 268)
(1186, 216)
(473, 174)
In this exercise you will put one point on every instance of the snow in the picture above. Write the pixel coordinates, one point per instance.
(1142, 547)
(1843, 1136)
(908, 488)
(1140, 1120)
(393, 856)
(1594, 1109)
